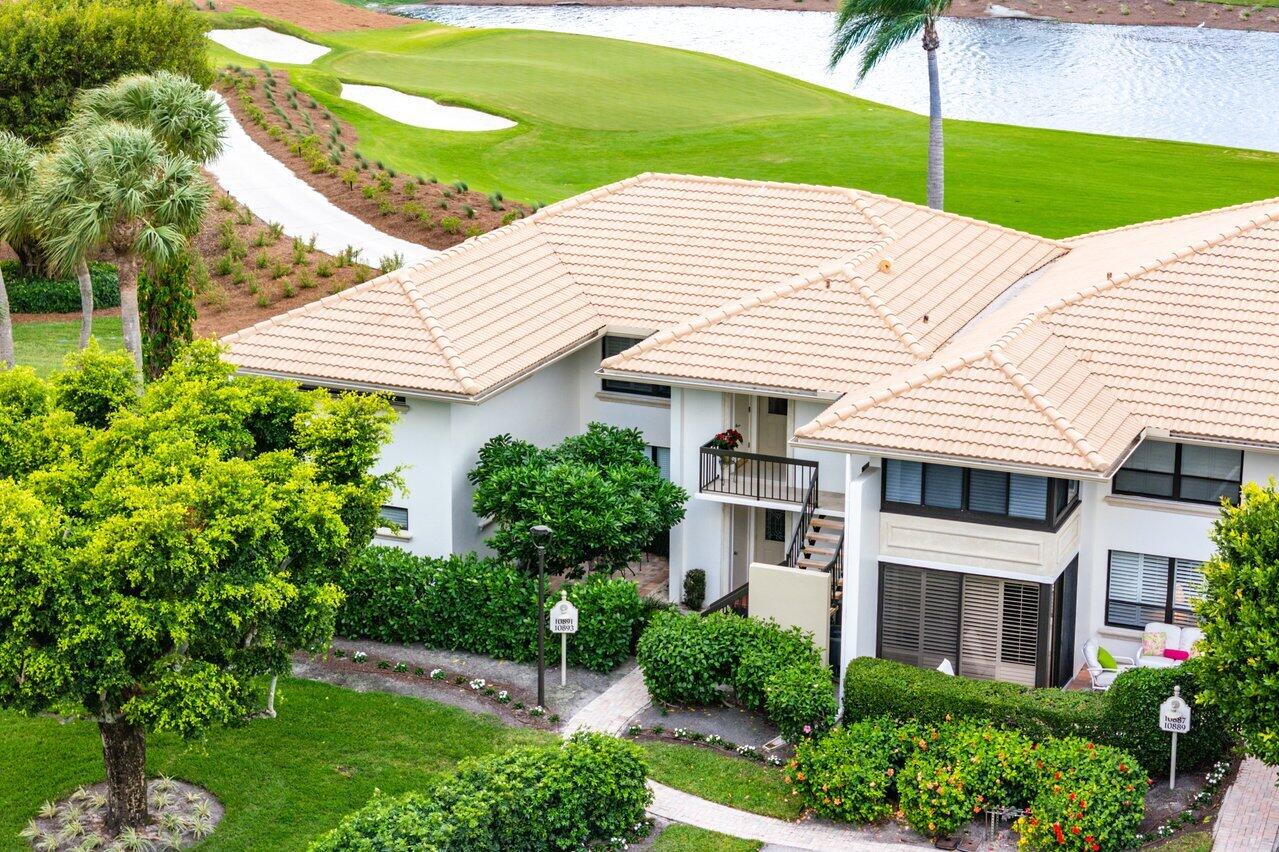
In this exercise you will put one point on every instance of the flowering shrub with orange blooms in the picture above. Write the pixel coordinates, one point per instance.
(958, 770)
(1088, 798)
(850, 773)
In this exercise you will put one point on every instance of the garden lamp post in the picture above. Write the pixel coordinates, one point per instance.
(541, 534)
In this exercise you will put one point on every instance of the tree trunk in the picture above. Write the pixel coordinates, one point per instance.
(32, 259)
(86, 302)
(130, 321)
(936, 150)
(270, 697)
(6, 325)
(124, 751)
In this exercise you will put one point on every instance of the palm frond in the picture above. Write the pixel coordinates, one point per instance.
(183, 117)
(878, 26)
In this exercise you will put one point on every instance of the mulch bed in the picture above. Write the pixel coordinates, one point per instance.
(182, 815)
(516, 708)
(323, 150)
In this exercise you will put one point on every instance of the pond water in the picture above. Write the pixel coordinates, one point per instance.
(1194, 85)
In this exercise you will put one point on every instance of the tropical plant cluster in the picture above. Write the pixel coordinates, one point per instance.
(599, 492)
(589, 791)
(485, 606)
(163, 550)
(34, 293)
(688, 659)
(1072, 793)
(1122, 717)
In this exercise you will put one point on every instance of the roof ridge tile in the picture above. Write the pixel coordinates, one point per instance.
(436, 329)
(1048, 408)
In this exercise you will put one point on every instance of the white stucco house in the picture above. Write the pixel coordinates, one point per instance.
(961, 442)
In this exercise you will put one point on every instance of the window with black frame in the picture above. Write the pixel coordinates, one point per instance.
(1191, 473)
(397, 517)
(1142, 588)
(987, 496)
(615, 345)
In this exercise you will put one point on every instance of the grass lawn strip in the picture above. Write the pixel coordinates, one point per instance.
(42, 345)
(687, 838)
(283, 781)
(593, 110)
(721, 778)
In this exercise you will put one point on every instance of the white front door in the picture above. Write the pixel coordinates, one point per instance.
(739, 565)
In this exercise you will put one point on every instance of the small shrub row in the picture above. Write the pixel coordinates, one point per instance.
(1073, 793)
(589, 790)
(686, 659)
(480, 605)
(35, 294)
(1121, 717)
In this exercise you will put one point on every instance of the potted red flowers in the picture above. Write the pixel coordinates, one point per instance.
(729, 439)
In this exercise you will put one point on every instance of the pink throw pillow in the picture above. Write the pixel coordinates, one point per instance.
(1152, 644)
(1175, 654)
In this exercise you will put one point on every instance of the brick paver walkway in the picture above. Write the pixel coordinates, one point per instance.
(609, 711)
(1249, 817)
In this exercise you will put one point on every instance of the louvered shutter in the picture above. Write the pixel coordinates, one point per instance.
(1000, 630)
(1187, 587)
(980, 629)
(1138, 589)
(899, 613)
(940, 629)
(1019, 633)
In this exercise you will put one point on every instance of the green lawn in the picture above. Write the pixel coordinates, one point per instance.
(722, 778)
(283, 781)
(686, 838)
(42, 345)
(593, 110)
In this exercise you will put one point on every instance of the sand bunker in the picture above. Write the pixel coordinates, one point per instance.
(268, 45)
(421, 112)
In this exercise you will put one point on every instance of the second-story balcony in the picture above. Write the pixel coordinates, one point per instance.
(752, 477)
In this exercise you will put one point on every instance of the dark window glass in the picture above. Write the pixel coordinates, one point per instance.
(903, 481)
(777, 405)
(1181, 472)
(774, 525)
(988, 491)
(615, 345)
(395, 515)
(943, 486)
(1143, 588)
(1027, 496)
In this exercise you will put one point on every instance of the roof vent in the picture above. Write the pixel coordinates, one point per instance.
(885, 264)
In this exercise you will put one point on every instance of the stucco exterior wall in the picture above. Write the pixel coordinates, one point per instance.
(793, 598)
(697, 542)
(422, 446)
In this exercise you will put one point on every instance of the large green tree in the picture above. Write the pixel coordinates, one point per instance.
(878, 26)
(599, 492)
(17, 164)
(51, 49)
(1239, 613)
(162, 551)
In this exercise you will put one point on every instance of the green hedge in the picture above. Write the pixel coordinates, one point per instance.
(1132, 705)
(584, 792)
(875, 687)
(34, 294)
(1122, 717)
(686, 659)
(1075, 794)
(481, 605)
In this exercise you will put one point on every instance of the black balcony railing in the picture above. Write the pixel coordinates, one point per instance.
(756, 476)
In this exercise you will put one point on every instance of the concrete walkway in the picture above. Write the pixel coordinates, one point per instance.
(272, 191)
(676, 806)
(1249, 817)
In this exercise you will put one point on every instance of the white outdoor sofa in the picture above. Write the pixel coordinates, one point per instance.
(1176, 639)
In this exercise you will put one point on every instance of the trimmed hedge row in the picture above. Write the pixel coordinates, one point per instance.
(687, 658)
(480, 605)
(38, 295)
(586, 791)
(1122, 717)
(1076, 794)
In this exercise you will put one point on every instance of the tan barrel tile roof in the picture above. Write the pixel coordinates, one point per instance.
(1183, 342)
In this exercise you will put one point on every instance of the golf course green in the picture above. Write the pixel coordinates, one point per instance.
(591, 110)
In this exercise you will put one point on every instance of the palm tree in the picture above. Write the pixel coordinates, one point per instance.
(114, 188)
(184, 117)
(881, 25)
(16, 161)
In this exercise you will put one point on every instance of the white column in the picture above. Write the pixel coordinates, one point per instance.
(861, 561)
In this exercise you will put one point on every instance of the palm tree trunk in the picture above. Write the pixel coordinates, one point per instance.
(130, 321)
(936, 149)
(86, 302)
(6, 325)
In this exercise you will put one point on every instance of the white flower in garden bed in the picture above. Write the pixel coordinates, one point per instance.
(437, 674)
(477, 683)
(359, 657)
